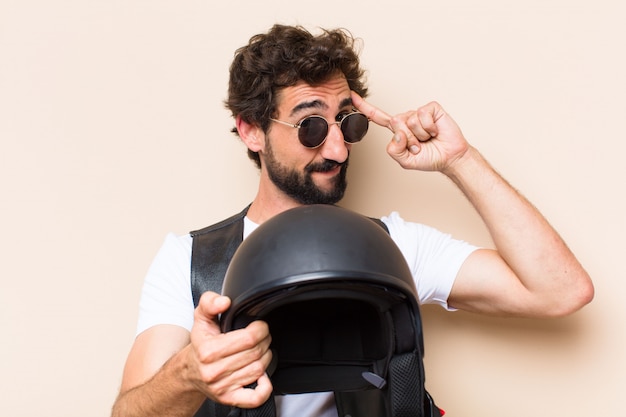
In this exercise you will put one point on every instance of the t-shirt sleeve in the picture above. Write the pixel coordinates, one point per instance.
(434, 257)
(166, 294)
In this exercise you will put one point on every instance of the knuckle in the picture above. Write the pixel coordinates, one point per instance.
(395, 120)
(211, 375)
(248, 340)
(221, 395)
(255, 333)
(257, 369)
(207, 354)
(257, 354)
(413, 122)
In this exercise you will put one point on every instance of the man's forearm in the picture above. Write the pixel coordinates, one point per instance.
(523, 238)
(164, 395)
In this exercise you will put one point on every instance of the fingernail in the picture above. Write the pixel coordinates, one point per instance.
(396, 138)
(414, 149)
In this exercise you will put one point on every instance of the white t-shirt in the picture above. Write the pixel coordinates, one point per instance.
(434, 259)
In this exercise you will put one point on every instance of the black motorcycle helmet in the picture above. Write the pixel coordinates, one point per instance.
(339, 300)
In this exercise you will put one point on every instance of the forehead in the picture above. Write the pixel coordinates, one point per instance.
(333, 94)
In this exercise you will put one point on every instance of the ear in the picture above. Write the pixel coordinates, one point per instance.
(252, 135)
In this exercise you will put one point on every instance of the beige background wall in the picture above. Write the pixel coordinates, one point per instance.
(113, 134)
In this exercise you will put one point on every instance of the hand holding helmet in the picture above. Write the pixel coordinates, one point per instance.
(225, 364)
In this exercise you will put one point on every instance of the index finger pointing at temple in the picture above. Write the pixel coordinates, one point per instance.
(373, 113)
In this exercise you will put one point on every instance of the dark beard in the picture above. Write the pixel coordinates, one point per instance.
(300, 186)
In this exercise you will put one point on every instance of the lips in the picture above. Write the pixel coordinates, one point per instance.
(326, 166)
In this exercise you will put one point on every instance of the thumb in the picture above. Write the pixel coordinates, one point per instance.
(210, 306)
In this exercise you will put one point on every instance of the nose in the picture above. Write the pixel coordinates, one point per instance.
(334, 147)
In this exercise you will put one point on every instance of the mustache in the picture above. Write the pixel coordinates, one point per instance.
(325, 166)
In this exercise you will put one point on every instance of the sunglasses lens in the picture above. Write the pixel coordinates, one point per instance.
(313, 131)
(354, 126)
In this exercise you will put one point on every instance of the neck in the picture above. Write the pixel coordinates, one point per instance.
(261, 209)
(269, 202)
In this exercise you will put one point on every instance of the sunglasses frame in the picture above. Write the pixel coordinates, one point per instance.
(298, 125)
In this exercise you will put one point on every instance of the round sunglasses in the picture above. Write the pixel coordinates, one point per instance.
(313, 130)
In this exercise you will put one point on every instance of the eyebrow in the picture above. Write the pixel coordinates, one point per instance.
(318, 104)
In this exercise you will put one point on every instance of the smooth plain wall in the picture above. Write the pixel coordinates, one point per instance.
(113, 134)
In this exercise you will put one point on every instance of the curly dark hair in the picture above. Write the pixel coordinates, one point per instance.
(281, 58)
